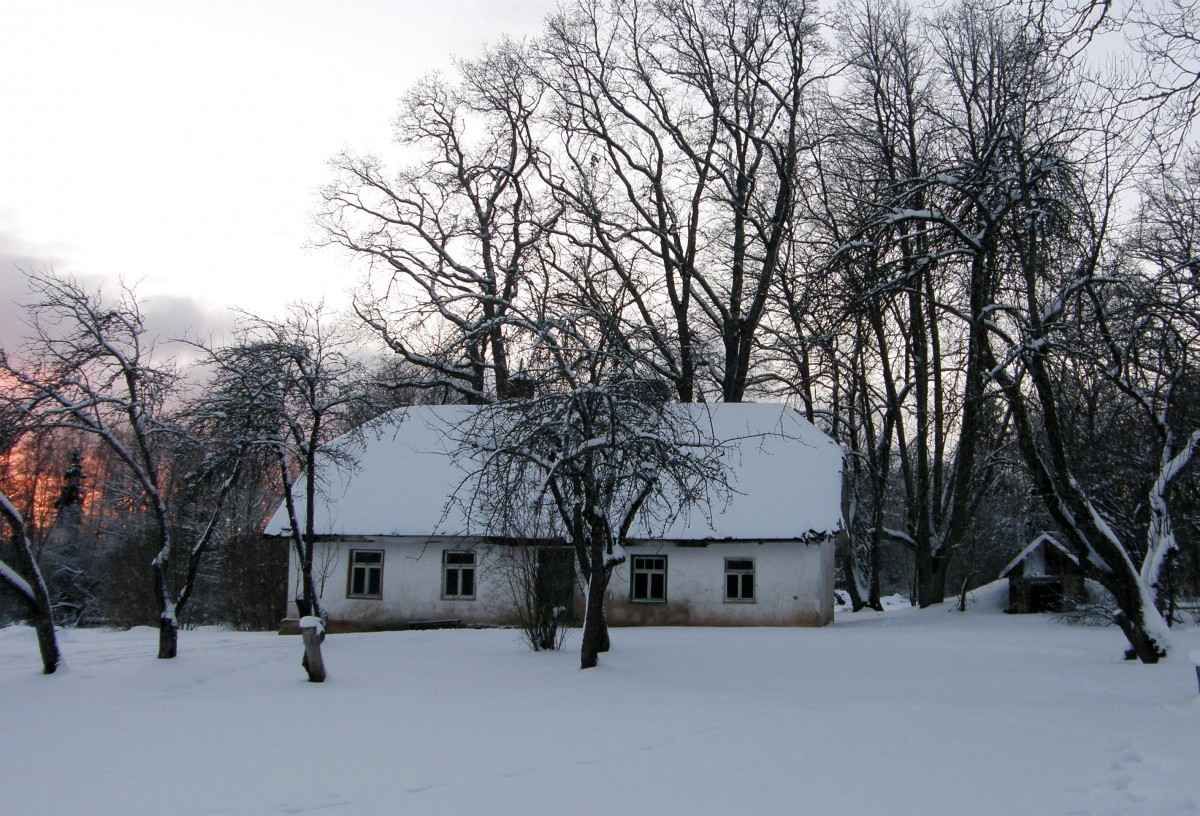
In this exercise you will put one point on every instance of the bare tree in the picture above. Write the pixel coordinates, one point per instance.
(907, 213)
(90, 369)
(1165, 34)
(595, 447)
(1145, 334)
(539, 570)
(1066, 169)
(684, 129)
(291, 386)
(450, 238)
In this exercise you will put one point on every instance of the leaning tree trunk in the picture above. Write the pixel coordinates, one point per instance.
(42, 616)
(33, 591)
(1143, 647)
(1139, 620)
(43, 625)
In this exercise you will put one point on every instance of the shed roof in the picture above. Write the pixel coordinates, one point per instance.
(785, 474)
(1044, 538)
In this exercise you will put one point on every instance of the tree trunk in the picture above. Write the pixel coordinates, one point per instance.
(931, 579)
(850, 570)
(33, 591)
(595, 627)
(874, 592)
(168, 637)
(1142, 646)
(602, 639)
(43, 624)
(962, 593)
(1138, 618)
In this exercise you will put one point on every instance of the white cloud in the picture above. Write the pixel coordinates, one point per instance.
(181, 144)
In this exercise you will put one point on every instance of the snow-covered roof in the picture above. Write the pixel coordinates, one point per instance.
(1044, 538)
(785, 474)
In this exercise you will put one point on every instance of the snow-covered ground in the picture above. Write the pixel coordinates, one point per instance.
(904, 712)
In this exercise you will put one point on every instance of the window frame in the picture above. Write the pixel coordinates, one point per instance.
(740, 573)
(367, 569)
(636, 568)
(460, 568)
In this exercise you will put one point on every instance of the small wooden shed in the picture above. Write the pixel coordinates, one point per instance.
(1042, 576)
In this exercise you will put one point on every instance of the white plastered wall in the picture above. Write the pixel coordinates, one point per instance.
(793, 585)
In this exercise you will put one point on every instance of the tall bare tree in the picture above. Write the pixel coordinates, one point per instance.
(1064, 169)
(1164, 33)
(684, 130)
(449, 238)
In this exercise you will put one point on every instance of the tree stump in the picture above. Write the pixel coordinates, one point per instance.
(312, 630)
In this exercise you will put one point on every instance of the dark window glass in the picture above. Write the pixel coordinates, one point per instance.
(739, 579)
(658, 586)
(459, 569)
(649, 579)
(366, 574)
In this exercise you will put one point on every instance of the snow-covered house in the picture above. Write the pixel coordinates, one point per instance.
(395, 551)
(1042, 576)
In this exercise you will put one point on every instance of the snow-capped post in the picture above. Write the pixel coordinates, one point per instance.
(313, 632)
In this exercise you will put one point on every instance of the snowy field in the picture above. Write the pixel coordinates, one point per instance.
(905, 712)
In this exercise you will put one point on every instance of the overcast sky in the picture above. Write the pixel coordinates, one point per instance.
(178, 144)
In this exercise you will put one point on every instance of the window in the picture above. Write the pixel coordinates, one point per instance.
(366, 574)
(739, 579)
(458, 575)
(649, 582)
